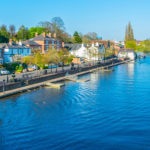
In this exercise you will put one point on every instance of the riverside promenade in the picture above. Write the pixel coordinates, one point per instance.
(57, 78)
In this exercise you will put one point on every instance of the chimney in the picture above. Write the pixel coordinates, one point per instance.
(44, 35)
(54, 35)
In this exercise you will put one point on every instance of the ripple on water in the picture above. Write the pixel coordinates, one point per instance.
(111, 111)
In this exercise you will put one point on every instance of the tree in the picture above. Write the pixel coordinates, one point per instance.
(76, 37)
(12, 30)
(58, 23)
(144, 46)
(34, 30)
(131, 44)
(129, 36)
(51, 57)
(23, 33)
(4, 35)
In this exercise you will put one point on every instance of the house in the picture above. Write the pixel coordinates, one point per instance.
(43, 42)
(87, 51)
(127, 54)
(79, 50)
(12, 52)
(96, 51)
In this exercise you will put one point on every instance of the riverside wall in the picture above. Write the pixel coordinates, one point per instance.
(31, 83)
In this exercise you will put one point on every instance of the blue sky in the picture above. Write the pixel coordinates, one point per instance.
(106, 17)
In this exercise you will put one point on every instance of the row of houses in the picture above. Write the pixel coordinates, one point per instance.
(11, 52)
(87, 51)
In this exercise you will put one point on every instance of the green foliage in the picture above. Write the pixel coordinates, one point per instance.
(11, 66)
(19, 69)
(34, 30)
(131, 44)
(4, 35)
(144, 46)
(23, 33)
(77, 38)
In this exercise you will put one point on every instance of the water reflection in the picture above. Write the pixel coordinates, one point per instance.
(130, 67)
(110, 111)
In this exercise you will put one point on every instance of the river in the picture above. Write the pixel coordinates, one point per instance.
(110, 112)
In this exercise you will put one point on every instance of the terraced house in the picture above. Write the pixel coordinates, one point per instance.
(11, 52)
(43, 42)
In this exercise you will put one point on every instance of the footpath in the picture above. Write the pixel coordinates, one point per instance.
(32, 84)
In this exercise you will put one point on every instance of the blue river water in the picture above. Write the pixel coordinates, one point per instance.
(110, 112)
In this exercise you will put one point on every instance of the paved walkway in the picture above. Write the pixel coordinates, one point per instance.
(33, 86)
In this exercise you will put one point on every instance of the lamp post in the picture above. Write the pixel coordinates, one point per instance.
(3, 85)
(13, 75)
(7, 79)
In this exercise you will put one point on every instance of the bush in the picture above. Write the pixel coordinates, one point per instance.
(19, 69)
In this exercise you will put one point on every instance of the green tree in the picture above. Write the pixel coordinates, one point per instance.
(144, 46)
(76, 37)
(23, 33)
(131, 44)
(46, 25)
(129, 35)
(4, 35)
(34, 30)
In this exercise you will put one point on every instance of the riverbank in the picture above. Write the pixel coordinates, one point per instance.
(57, 77)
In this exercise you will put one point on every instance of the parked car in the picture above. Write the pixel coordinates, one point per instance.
(32, 67)
(4, 71)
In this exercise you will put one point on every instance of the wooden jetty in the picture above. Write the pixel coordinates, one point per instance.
(75, 79)
(54, 85)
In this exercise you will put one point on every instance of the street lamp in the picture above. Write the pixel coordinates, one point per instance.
(13, 75)
(7, 79)
(3, 85)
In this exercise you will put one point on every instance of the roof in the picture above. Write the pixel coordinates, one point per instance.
(43, 38)
(30, 42)
(12, 46)
(126, 50)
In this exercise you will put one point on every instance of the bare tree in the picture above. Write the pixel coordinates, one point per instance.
(12, 31)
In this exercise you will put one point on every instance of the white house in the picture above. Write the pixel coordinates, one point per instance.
(96, 51)
(127, 54)
(79, 50)
(89, 52)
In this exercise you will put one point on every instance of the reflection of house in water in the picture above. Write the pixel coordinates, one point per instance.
(131, 66)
